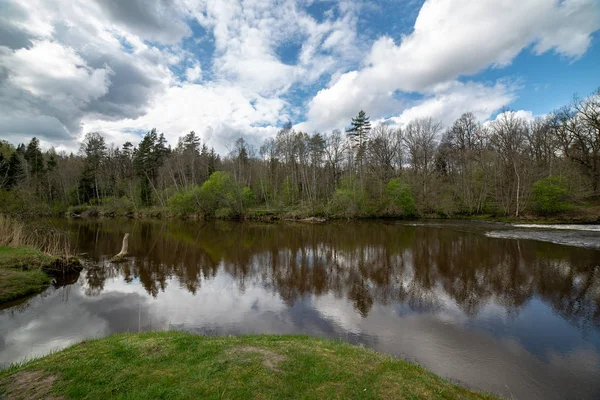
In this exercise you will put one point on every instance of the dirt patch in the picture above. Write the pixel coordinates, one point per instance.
(153, 349)
(271, 360)
(29, 385)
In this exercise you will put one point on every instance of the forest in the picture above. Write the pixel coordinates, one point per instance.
(508, 167)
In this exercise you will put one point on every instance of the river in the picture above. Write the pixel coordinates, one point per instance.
(510, 310)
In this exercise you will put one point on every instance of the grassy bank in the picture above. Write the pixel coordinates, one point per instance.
(25, 271)
(28, 256)
(173, 365)
(21, 272)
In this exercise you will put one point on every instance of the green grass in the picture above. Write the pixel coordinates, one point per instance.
(21, 273)
(177, 365)
(24, 257)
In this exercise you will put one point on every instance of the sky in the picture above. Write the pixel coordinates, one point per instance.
(226, 69)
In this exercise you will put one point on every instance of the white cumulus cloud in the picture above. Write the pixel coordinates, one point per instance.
(244, 67)
(452, 39)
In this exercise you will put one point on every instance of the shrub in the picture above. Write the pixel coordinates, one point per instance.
(401, 201)
(9, 201)
(58, 208)
(217, 192)
(550, 195)
(248, 197)
(224, 213)
(220, 196)
(349, 199)
(118, 205)
(22, 202)
(185, 202)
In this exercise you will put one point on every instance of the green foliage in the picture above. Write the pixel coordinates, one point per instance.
(224, 213)
(146, 162)
(248, 196)
(360, 128)
(9, 201)
(186, 201)
(401, 201)
(349, 200)
(58, 208)
(22, 202)
(14, 171)
(550, 195)
(94, 149)
(34, 157)
(146, 194)
(220, 196)
(217, 192)
(118, 205)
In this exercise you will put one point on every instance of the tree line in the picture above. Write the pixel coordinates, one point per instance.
(507, 167)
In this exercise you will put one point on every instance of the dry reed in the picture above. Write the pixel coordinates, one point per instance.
(14, 233)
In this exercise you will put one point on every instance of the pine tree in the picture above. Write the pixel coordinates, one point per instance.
(3, 170)
(189, 149)
(51, 165)
(213, 161)
(34, 158)
(148, 158)
(126, 160)
(359, 131)
(15, 172)
(35, 165)
(94, 149)
(358, 135)
(190, 142)
(142, 164)
(161, 150)
(204, 160)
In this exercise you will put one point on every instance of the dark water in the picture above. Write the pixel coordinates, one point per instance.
(517, 317)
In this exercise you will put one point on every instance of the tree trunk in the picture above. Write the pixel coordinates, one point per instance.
(518, 188)
(123, 253)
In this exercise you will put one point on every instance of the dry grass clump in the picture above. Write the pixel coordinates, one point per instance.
(12, 233)
(15, 233)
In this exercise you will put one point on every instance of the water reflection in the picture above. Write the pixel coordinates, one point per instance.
(375, 263)
(520, 318)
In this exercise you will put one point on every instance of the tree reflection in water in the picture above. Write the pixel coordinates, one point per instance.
(422, 267)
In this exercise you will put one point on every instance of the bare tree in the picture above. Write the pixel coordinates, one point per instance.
(335, 149)
(542, 145)
(384, 154)
(509, 134)
(420, 140)
(577, 127)
(461, 159)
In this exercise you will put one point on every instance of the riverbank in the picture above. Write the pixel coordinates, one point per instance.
(584, 214)
(581, 215)
(182, 365)
(25, 271)
(21, 272)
